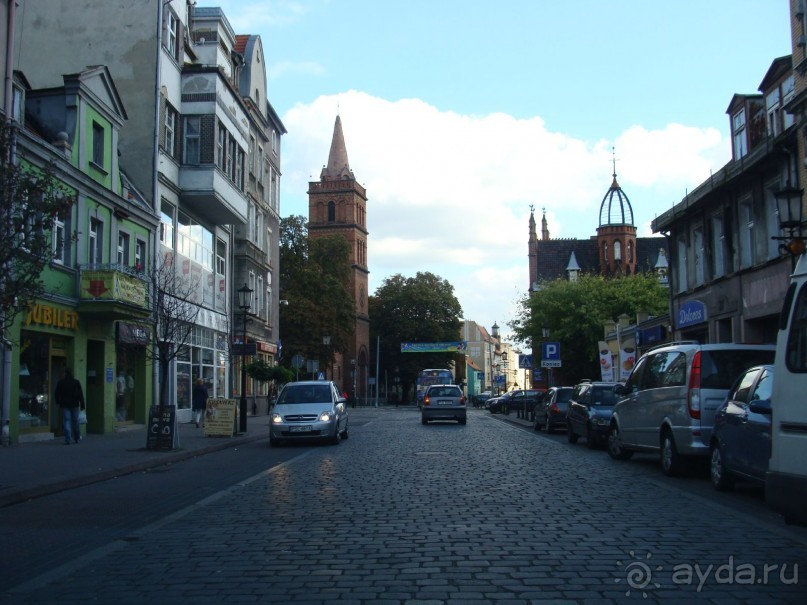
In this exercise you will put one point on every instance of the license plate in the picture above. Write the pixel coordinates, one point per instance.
(300, 429)
(445, 402)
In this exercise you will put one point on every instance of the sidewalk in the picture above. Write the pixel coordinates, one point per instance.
(33, 469)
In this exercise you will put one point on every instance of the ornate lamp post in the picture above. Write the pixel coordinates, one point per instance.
(244, 303)
(545, 336)
(789, 208)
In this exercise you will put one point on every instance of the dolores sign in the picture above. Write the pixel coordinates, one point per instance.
(691, 313)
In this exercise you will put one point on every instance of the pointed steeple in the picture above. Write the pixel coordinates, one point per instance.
(533, 234)
(338, 167)
(544, 227)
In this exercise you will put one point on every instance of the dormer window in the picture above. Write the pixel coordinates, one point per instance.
(738, 134)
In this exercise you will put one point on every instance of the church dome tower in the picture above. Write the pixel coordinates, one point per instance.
(616, 234)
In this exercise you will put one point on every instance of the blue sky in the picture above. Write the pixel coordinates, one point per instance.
(460, 114)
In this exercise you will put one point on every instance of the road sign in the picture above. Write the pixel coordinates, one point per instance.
(321, 376)
(297, 361)
(525, 361)
(550, 363)
(550, 350)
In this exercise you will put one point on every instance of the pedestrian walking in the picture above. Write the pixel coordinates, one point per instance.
(70, 397)
(199, 400)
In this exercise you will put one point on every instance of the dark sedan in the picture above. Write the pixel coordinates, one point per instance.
(741, 438)
(550, 414)
(589, 413)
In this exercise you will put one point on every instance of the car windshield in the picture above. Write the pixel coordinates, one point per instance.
(444, 392)
(565, 395)
(305, 394)
(603, 396)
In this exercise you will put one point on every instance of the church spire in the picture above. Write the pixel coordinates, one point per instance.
(338, 167)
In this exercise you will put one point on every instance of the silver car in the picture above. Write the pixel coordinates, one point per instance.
(309, 410)
(668, 403)
(443, 402)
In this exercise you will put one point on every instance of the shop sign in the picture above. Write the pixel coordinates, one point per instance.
(161, 427)
(267, 347)
(134, 334)
(691, 313)
(113, 285)
(51, 317)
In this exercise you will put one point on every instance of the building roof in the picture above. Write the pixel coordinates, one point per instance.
(338, 167)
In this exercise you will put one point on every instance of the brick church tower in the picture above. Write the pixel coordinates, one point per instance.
(337, 205)
(616, 234)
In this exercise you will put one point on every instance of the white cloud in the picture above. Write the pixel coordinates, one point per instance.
(450, 193)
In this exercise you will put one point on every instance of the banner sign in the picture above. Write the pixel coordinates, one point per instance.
(434, 347)
(221, 416)
(606, 363)
(627, 359)
(691, 313)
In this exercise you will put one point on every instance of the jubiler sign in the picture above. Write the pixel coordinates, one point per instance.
(52, 317)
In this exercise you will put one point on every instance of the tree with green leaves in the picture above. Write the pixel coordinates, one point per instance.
(415, 309)
(576, 311)
(32, 201)
(314, 279)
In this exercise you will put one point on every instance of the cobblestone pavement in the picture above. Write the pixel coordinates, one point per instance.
(402, 513)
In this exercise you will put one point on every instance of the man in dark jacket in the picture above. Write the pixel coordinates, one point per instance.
(70, 397)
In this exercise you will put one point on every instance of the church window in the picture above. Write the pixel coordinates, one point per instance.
(617, 251)
(630, 252)
(331, 212)
(605, 252)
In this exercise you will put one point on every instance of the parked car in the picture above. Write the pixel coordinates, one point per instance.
(480, 398)
(550, 413)
(589, 412)
(443, 402)
(517, 400)
(309, 410)
(741, 438)
(493, 405)
(668, 402)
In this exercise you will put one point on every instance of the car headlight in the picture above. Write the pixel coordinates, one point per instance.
(277, 418)
(326, 416)
(599, 421)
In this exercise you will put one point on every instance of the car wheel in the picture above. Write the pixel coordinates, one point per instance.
(615, 449)
(337, 437)
(463, 420)
(720, 477)
(273, 442)
(423, 421)
(671, 462)
(571, 436)
(591, 439)
(535, 425)
(548, 426)
(344, 433)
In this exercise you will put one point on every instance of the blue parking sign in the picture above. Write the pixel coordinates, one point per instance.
(550, 350)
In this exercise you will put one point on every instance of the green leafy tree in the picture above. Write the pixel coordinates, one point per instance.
(31, 201)
(314, 279)
(414, 309)
(575, 312)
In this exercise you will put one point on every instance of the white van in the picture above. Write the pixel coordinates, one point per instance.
(786, 481)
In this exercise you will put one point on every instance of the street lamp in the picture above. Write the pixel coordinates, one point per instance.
(789, 209)
(353, 376)
(494, 332)
(244, 303)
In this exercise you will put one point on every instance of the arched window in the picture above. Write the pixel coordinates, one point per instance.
(605, 252)
(331, 212)
(617, 250)
(630, 252)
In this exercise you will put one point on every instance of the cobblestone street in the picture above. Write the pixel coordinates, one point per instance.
(443, 513)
